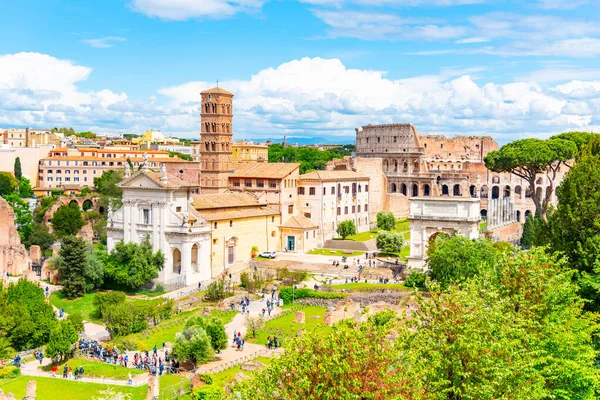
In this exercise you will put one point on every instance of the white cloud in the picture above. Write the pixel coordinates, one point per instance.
(180, 10)
(472, 40)
(384, 26)
(561, 4)
(311, 97)
(409, 3)
(104, 42)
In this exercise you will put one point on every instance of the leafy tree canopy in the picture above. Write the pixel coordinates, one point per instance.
(346, 228)
(389, 242)
(386, 221)
(134, 265)
(67, 220)
(41, 236)
(17, 168)
(8, 183)
(61, 341)
(309, 158)
(23, 216)
(193, 345)
(25, 189)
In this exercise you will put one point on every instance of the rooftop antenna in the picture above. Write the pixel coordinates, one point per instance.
(217, 83)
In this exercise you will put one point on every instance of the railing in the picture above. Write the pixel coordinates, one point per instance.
(236, 362)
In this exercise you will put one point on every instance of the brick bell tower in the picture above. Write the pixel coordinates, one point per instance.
(215, 139)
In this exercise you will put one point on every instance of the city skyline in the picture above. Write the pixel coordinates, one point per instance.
(312, 68)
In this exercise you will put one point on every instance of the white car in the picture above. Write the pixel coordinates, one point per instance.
(268, 254)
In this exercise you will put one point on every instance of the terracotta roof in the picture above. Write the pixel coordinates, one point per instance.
(109, 150)
(299, 222)
(216, 90)
(173, 181)
(263, 170)
(118, 159)
(224, 200)
(237, 214)
(332, 176)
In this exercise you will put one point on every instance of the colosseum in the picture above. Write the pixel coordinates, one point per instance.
(435, 165)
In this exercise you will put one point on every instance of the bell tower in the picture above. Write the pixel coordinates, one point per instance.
(215, 139)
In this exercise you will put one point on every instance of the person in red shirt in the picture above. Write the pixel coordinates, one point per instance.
(54, 369)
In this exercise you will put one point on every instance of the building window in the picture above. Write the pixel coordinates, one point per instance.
(333, 190)
(260, 183)
(236, 183)
(178, 209)
(366, 188)
(76, 179)
(359, 208)
(273, 184)
(273, 233)
(339, 211)
(324, 191)
(291, 209)
(353, 209)
(215, 225)
(248, 183)
(312, 191)
(272, 219)
(314, 234)
(307, 235)
(230, 223)
(300, 190)
(366, 208)
(346, 210)
(146, 216)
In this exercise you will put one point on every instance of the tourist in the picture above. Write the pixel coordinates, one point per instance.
(199, 285)
(155, 351)
(3, 362)
(80, 371)
(243, 341)
(76, 373)
(54, 370)
(65, 371)
(263, 312)
(179, 270)
(129, 379)
(70, 373)
(163, 346)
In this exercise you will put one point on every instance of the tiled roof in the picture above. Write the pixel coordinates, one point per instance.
(224, 200)
(263, 170)
(216, 90)
(332, 176)
(119, 159)
(299, 222)
(237, 214)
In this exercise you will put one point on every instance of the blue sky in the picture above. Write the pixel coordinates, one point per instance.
(315, 68)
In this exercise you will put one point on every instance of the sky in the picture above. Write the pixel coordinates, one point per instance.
(305, 68)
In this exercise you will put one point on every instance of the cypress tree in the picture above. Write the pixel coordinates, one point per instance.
(18, 172)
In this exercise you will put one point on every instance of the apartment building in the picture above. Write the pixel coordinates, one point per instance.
(77, 168)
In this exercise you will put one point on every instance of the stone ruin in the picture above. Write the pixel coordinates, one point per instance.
(342, 310)
(300, 317)
(14, 258)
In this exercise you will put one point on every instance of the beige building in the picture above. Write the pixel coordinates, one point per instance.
(330, 197)
(300, 234)
(29, 156)
(77, 168)
(239, 221)
(277, 182)
(29, 137)
(249, 151)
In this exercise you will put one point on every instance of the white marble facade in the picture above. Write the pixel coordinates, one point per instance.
(158, 206)
(431, 215)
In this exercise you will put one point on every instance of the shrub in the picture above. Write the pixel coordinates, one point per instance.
(9, 372)
(208, 393)
(215, 290)
(206, 378)
(286, 294)
(104, 301)
(125, 318)
(346, 228)
(76, 320)
(386, 221)
(416, 279)
(127, 344)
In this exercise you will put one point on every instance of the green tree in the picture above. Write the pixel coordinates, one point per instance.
(535, 232)
(25, 188)
(193, 345)
(67, 220)
(76, 319)
(389, 242)
(214, 329)
(386, 221)
(41, 236)
(17, 168)
(340, 363)
(62, 339)
(23, 216)
(133, 265)
(574, 224)
(105, 301)
(254, 324)
(457, 258)
(346, 228)
(529, 158)
(71, 263)
(107, 186)
(8, 183)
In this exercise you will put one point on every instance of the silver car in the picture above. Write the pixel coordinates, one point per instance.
(268, 254)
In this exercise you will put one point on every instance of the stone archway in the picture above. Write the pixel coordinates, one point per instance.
(87, 205)
(195, 257)
(176, 261)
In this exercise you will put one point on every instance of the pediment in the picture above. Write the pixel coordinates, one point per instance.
(140, 181)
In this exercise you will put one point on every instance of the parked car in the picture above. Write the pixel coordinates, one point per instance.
(268, 254)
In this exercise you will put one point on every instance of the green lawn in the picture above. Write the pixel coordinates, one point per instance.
(97, 369)
(84, 305)
(337, 253)
(483, 226)
(361, 286)
(224, 377)
(363, 236)
(147, 339)
(402, 226)
(286, 328)
(58, 388)
(170, 385)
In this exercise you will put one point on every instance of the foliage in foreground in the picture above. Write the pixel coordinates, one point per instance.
(515, 332)
(287, 294)
(79, 268)
(133, 265)
(389, 242)
(386, 221)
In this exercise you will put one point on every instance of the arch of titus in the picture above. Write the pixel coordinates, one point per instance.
(431, 215)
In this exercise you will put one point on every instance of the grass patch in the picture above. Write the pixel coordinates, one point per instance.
(84, 305)
(225, 377)
(365, 287)
(285, 328)
(363, 236)
(337, 253)
(170, 385)
(96, 369)
(483, 226)
(147, 339)
(58, 388)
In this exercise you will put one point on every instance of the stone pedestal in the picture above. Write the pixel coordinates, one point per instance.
(300, 317)
(153, 388)
(30, 391)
